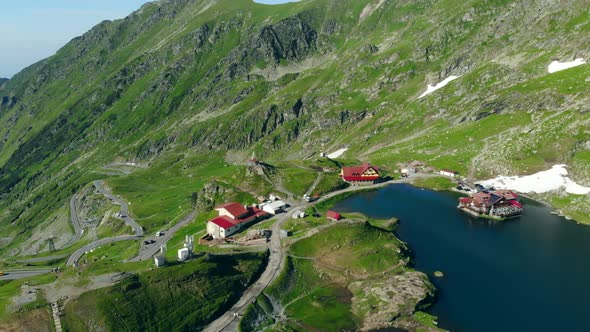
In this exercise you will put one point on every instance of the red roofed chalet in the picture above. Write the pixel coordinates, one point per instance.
(233, 217)
(364, 174)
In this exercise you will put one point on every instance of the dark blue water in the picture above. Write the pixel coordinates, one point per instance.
(526, 274)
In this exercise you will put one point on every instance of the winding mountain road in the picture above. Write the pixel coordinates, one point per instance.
(76, 255)
(137, 229)
(149, 250)
(146, 251)
(75, 219)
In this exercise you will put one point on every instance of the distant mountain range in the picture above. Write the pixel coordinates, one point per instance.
(225, 78)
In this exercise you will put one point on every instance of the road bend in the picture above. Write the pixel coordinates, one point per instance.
(147, 251)
(137, 229)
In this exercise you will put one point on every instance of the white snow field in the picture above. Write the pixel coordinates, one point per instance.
(553, 179)
(556, 66)
(431, 88)
(336, 154)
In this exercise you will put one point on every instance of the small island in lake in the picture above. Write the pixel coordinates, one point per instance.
(498, 205)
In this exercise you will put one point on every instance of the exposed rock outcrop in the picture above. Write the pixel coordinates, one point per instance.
(381, 301)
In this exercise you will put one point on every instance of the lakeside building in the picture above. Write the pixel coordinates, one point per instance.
(233, 217)
(449, 173)
(499, 204)
(360, 175)
(333, 216)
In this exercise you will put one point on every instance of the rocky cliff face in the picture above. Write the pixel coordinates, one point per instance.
(216, 76)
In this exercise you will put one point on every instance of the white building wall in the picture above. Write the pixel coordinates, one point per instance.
(183, 254)
(224, 212)
(213, 230)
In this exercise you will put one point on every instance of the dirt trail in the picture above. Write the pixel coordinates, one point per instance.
(61, 289)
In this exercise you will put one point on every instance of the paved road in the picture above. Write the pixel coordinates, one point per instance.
(148, 251)
(124, 208)
(20, 274)
(75, 257)
(41, 259)
(74, 218)
(228, 322)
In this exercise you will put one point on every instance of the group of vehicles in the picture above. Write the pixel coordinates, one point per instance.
(308, 198)
(151, 241)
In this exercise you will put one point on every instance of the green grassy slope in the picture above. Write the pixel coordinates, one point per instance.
(181, 297)
(187, 87)
(322, 285)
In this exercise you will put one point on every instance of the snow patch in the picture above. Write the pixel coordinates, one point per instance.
(431, 88)
(336, 154)
(550, 180)
(556, 66)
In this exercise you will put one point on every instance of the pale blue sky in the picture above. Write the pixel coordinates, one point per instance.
(31, 30)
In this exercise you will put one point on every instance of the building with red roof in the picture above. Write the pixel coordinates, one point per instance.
(364, 174)
(500, 204)
(233, 217)
(333, 216)
(233, 210)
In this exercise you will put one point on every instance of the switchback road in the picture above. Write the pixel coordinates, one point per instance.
(75, 257)
(124, 208)
(147, 251)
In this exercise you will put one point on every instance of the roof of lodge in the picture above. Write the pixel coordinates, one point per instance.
(489, 199)
(234, 208)
(227, 222)
(223, 222)
(354, 173)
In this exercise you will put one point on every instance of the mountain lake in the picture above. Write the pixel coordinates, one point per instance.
(525, 274)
